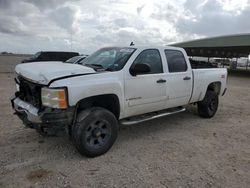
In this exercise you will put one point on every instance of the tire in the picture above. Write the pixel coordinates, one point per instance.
(95, 131)
(209, 105)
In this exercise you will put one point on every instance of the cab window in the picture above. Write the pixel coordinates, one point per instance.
(176, 61)
(152, 58)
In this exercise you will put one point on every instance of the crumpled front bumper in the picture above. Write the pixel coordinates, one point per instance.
(33, 118)
(23, 107)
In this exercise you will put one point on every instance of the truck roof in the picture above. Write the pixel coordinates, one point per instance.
(142, 47)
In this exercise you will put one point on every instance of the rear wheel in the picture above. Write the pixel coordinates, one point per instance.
(95, 131)
(209, 105)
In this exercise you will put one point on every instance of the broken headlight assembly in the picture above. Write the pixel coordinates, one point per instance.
(54, 97)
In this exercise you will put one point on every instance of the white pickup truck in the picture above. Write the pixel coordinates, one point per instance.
(115, 85)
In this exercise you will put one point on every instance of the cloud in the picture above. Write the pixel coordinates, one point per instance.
(6, 4)
(34, 25)
(210, 19)
(13, 26)
(47, 4)
(66, 17)
(139, 9)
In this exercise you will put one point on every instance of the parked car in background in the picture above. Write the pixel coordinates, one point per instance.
(242, 62)
(76, 59)
(51, 56)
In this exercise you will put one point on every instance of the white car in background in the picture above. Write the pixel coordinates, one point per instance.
(76, 59)
(242, 62)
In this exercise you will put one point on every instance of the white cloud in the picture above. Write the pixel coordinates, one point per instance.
(33, 25)
(234, 6)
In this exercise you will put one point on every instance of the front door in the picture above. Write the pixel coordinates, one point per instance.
(146, 92)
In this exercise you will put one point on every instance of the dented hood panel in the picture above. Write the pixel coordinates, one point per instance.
(44, 72)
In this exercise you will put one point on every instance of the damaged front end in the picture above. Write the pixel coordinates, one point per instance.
(28, 106)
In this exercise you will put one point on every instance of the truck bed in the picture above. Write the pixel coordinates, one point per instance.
(202, 78)
(201, 64)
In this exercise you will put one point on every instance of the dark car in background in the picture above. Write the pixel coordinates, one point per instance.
(51, 56)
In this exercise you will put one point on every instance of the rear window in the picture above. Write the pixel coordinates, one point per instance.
(176, 61)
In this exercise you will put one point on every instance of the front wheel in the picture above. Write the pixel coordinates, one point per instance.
(209, 105)
(95, 131)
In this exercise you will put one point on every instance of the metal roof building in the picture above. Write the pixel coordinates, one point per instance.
(223, 46)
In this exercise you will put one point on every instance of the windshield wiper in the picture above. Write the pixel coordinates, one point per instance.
(108, 69)
(96, 67)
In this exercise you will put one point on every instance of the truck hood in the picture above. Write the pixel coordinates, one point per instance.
(44, 72)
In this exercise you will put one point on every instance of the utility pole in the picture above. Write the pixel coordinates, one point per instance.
(71, 40)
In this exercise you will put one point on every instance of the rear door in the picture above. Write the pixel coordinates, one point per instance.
(179, 78)
(146, 92)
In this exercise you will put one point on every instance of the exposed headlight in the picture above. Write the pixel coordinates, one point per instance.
(17, 82)
(17, 87)
(54, 97)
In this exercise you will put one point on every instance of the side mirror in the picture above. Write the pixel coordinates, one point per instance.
(140, 69)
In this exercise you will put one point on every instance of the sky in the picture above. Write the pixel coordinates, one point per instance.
(28, 26)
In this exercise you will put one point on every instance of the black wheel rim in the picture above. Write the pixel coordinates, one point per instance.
(212, 105)
(97, 134)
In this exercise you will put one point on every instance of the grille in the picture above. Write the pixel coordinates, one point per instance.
(30, 92)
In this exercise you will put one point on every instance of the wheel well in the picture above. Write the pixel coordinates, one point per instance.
(107, 101)
(215, 86)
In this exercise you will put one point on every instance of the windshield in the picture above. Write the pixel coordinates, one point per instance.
(73, 59)
(110, 59)
(36, 55)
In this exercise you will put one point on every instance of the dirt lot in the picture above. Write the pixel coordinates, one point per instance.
(8, 62)
(182, 150)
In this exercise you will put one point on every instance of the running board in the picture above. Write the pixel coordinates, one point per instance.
(150, 116)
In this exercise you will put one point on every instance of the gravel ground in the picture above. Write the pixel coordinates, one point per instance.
(181, 150)
(8, 62)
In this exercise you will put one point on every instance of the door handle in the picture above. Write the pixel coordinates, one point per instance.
(187, 78)
(161, 81)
